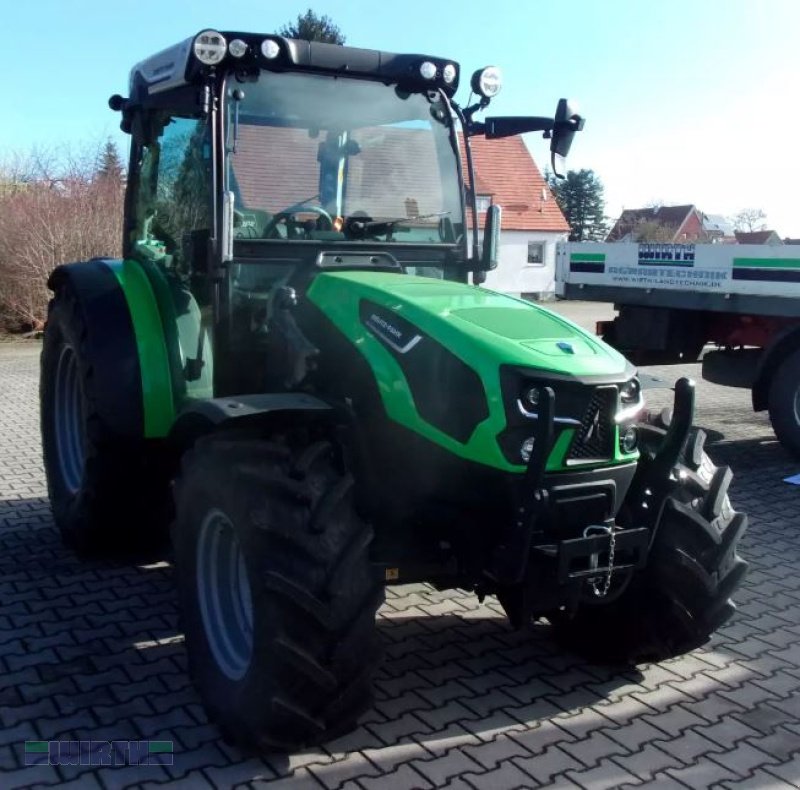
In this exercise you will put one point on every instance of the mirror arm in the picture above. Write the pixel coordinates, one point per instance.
(509, 126)
(470, 111)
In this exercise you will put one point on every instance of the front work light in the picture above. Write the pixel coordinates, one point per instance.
(270, 49)
(427, 70)
(237, 48)
(487, 82)
(210, 47)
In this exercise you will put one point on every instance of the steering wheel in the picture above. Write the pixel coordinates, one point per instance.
(288, 214)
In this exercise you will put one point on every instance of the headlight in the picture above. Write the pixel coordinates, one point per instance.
(630, 392)
(530, 398)
(210, 47)
(631, 401)
(526, 450)
(628, 440)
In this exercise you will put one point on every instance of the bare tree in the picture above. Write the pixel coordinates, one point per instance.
(651, 230)
(750, 219)
(53, 209)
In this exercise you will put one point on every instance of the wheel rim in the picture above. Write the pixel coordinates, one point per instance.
(796, 405)
(223, 591)
(69, 419)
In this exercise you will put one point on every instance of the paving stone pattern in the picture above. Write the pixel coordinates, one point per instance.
(93, 651)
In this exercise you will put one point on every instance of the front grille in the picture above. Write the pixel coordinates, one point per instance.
(594, 440)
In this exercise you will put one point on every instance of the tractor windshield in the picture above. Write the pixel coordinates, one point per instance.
(340, 159)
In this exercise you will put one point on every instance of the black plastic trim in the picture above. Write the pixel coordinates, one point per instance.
(447, 392)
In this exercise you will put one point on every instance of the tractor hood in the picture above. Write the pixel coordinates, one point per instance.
(473, 323)
(438, 349)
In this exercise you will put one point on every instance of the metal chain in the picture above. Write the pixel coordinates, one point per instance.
(607, 582)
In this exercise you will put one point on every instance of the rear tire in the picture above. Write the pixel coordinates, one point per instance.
(106, 493)
(283, 647)
(683, 595)
(784, 403)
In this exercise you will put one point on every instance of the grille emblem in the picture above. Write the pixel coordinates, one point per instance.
(592, 428)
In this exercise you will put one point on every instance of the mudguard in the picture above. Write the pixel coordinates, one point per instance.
(200, 417)
(127, 342)
(112, 344)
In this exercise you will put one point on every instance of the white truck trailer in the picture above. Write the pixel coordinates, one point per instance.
(674, 299)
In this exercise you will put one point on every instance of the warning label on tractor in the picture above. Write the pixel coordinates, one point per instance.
(691, 279)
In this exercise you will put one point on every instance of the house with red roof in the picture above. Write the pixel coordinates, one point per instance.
(677, 224)
(758, 237)
(507, 175)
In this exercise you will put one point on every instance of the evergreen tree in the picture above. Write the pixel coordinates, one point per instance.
(310, 27)
(580, 198)
(109, 164)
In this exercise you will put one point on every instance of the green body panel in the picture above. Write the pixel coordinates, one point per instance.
(482, 328)
(154, 362)
(182, 323)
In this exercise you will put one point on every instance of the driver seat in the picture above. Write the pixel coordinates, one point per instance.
(250, 223)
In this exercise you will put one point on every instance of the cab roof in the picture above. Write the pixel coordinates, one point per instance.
(181, 65)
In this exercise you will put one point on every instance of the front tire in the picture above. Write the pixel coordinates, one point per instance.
(277, 592)
(683, 595)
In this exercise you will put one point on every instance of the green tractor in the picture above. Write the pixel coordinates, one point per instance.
(294, 366)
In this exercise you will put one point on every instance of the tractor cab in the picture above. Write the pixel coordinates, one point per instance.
(259, 161)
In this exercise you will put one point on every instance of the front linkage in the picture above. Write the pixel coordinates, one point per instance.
(547, 574)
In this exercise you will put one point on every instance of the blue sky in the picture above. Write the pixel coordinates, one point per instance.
(689, 101)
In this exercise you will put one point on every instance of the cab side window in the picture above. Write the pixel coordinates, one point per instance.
(173, 199)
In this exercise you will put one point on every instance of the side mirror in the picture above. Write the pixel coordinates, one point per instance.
(491, 238)
(565, 124)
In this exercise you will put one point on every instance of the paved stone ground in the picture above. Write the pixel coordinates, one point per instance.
(93, 651)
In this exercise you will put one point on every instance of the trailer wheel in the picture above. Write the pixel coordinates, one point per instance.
(105, 492)
(684, 594)
(784, 403)
(277, 593)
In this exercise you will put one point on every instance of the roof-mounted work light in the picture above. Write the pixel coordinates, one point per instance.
(210, 47)
(487, 82)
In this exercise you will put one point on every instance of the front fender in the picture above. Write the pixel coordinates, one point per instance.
(200, 417)
(124, 365)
